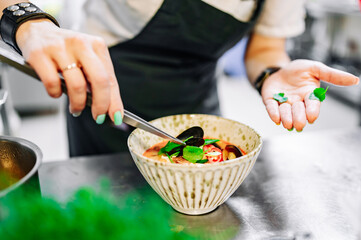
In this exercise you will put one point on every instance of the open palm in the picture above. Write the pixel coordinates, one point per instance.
(297, 80)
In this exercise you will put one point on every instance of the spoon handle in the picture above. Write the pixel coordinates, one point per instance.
(10, 57)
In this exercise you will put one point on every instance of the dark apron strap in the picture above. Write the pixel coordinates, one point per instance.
(167, 69)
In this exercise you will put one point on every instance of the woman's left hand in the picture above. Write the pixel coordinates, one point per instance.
(297, 80)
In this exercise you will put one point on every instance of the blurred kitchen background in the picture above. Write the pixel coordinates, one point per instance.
(332, 36)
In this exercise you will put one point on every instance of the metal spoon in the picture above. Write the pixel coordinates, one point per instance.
(12, 58)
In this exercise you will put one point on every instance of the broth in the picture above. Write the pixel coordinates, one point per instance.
(218, 151)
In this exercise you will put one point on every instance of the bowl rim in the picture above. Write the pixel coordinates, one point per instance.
(244, 158)
(38, 154)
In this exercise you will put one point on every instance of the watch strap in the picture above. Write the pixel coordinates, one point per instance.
(15, 15)
(258, 84)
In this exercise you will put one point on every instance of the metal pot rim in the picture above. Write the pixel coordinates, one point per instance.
(38, 160)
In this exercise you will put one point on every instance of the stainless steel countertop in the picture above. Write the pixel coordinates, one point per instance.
(304, 186)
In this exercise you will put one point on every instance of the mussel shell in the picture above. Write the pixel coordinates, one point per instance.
(233, 149)
(195, 132)
(195, 141)
(216, 145)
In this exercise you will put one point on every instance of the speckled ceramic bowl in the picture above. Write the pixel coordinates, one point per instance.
(196, 188)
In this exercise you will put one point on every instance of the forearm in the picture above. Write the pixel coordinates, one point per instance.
(9, 25)
(263, 52)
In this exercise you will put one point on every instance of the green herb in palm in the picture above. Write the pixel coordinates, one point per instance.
(280, 97)
(318, 94)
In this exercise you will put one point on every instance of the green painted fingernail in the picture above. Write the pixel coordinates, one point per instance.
(290, 129)
(299, 130)
(77, 114)
(118, 119)
(100, 119)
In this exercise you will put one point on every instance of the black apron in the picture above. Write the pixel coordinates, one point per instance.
(168, 68)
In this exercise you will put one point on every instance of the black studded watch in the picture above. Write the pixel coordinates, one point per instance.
(263, 76)
(14, 15)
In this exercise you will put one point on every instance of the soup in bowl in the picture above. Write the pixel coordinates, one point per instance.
(200, 184)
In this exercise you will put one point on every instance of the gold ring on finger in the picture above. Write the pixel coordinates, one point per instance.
(71, 66)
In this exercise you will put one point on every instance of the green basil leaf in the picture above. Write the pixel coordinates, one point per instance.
(210, 141)
(169, 157)
(318, 94)
(280, 97)
(169, 147)
(188, 139)
(202, 161)
(175, 154)
(192, 154)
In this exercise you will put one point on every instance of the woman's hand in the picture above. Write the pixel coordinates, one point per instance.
(49, 50)
(297, 80)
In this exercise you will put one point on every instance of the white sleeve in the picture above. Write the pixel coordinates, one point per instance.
(282, 18)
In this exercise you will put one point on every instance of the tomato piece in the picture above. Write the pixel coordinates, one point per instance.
(213, 154)
(208, 147)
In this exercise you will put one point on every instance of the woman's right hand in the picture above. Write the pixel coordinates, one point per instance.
(49, 50)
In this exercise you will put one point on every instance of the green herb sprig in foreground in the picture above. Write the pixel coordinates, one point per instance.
(280, 97)
(89, 214)
(6, 180)
(318, 94)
